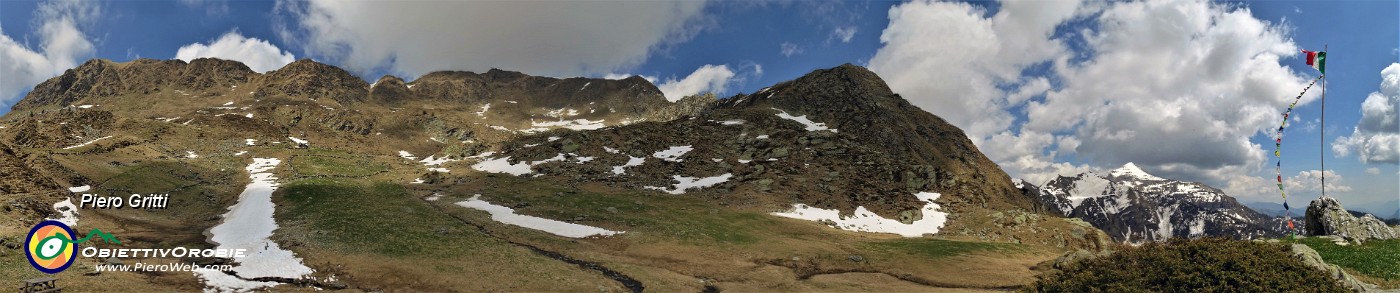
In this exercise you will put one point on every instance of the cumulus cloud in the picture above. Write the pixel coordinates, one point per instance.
(63, 45)
(953, 60)
(1376, 137)
(1174, 84)
(259, 55)
(1178, 87)
(1373, 171)
(948, 58)
(708, 78)
(1311, 182)
(571, 38)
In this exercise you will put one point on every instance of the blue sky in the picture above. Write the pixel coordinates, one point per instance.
(1043, 87)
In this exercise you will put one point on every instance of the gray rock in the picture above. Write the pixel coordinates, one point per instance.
(1326, 216)
(1073, 257)
(856, 258)
(1310, 257)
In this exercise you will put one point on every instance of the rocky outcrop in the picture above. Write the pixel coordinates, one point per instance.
(1310, 257)
(95, 78)
(687, 106)
(314, 80)
(1326, 216)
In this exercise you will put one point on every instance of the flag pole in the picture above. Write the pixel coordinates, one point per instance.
(1322, 131)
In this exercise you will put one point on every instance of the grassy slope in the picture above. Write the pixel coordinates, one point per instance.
(671, 241)
(377, 236)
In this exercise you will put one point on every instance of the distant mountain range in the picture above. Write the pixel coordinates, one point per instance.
(1134, 206)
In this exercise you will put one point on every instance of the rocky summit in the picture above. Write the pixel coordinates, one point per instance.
(1132, 205)
(1326, 216)
(807, 183)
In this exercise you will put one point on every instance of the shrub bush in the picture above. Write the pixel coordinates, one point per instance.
(1197, 265)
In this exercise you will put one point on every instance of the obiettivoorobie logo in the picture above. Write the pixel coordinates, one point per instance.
(50, 247)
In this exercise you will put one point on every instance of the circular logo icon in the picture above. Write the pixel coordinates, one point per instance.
(50, 247)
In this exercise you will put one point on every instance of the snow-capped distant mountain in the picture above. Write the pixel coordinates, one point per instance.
(1134, 206)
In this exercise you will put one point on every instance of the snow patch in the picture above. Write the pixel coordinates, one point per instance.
(297, 140)
(576, 124)
(1091, 186)
(87, 143)
(250, 142)
(67, 212)
(247, 225)
(503, 165)
(407, 155)
(811, 126)
(673, 154)
(865, 221)
(685, 183)
(508, 216)
(1132, 170)
(79, 189)
(484, 108)
(631, 162)
(430, 161)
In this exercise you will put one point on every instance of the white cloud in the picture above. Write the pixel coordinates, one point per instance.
(571, 38)
(259, 55)
(1214, 80)
(1177, 87)
(844, 33)
(62, 46)
(708, 78)
(789, 49)
(1373, 171)
(1376, 137)
(1311, 181)
(948, 59)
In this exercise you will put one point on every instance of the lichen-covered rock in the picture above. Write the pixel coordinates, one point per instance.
(1326, 216)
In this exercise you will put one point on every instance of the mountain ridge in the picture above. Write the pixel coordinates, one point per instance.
(611, 154)
(1135, 206)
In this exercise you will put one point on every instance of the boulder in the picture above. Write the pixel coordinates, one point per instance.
(1310, 257)
(1326, 216)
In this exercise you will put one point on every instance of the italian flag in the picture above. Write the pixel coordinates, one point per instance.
(1318, 60)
